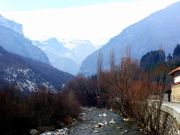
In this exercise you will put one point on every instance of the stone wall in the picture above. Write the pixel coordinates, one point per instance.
(170, 119)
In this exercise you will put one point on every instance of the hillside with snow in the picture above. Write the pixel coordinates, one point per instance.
(28, 74)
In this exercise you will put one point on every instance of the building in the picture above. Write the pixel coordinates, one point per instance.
(175, 87)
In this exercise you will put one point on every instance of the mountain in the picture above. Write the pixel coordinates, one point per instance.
(66, 64)
(80, 48)
(53, 46)
(14, 41)
(27, 74)
(58, 55)
(160, 29)
(11, 25)
(66, 55)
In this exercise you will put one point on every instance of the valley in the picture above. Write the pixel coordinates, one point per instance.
(55, 85)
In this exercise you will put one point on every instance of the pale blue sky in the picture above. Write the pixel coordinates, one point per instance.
(94, 20)
(24, 5)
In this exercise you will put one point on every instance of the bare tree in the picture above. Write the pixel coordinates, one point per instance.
(119, 81)
(128, 51)
(99, 64)
(138, 94)
(112, 60)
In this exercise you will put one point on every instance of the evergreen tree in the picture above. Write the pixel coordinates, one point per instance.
(176, 51)
(150, 59)
(169, 56)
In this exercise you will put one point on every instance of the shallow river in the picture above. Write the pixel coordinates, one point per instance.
(91, 117)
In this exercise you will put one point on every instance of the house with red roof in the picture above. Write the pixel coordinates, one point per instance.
(175, 87)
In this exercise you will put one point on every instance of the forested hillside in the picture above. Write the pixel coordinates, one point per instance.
(29, 74)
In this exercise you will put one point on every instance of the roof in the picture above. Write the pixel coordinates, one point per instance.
(172, 72)
(175, 84)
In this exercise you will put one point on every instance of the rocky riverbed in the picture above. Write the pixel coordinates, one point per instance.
(98, 121)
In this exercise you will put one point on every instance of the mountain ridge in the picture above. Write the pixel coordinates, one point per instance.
(11, 25)
(13, 40)
(18, 44)
(158, 29)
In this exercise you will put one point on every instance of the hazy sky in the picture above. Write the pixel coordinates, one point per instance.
(94, 20)
(24, 5)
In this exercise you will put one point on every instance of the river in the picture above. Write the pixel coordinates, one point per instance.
(92, 116)
(94, 121)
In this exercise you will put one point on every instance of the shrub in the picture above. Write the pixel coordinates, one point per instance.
(20, 112)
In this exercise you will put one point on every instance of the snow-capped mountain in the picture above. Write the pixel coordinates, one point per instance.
(81, 48)
(64, 54)
(58, 55)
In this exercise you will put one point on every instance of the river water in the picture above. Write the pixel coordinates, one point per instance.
(92, 116)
